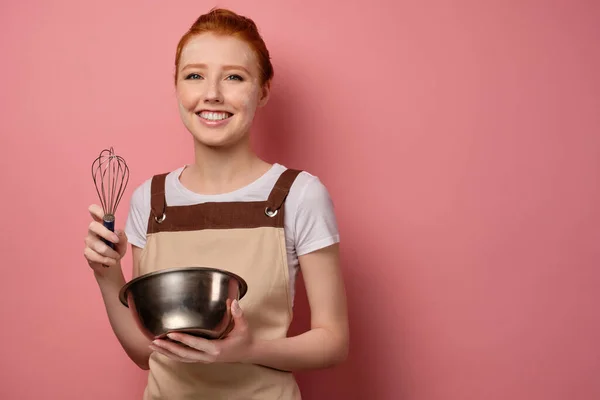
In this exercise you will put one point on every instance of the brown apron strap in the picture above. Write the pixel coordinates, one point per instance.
(282, 188)
(157, 199)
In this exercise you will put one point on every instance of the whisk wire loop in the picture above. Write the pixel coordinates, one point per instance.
(111, 176)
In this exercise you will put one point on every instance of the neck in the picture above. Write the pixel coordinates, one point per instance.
(223, 169)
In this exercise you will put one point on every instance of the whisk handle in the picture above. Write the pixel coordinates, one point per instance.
(109, 222)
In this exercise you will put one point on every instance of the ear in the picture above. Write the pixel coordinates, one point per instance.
(265, 93)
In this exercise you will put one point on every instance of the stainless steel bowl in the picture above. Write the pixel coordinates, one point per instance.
(193, 300)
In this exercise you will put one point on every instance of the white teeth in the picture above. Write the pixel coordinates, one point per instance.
(214, 116)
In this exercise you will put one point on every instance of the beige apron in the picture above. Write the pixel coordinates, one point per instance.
(246, 238)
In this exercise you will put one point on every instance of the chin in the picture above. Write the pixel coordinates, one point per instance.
(218, 141)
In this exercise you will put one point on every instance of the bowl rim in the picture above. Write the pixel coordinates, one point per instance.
(126, 286)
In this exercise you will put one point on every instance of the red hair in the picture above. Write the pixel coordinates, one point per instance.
(225, 22)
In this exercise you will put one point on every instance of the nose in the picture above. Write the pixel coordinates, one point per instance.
(213, 93)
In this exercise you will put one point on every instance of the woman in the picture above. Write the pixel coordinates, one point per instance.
(231, 210)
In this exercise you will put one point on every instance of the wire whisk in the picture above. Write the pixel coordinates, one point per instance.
(111, 175)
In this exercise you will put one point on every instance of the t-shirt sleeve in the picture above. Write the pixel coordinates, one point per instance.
(137, 220)
(316, 224)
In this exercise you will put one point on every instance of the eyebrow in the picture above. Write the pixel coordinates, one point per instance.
(225, 67)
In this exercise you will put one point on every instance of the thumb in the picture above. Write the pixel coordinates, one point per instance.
(122, 245)
(238, 315)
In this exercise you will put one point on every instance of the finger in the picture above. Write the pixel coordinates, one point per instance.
(184, 351)
(94, 257)
(194, 342)
(176, 351)
(100, 230)
(96, 212)
(167, 353)
(101, 248)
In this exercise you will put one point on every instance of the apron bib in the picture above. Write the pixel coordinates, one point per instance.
(248, 239)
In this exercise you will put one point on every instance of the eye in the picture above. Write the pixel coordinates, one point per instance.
(235, 78)
(193, 76)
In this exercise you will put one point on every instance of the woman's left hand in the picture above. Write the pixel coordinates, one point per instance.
(191, 349)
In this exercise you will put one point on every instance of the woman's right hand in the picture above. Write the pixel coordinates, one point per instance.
(100, 257)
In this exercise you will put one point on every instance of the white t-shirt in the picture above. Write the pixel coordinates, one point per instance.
(309, 220)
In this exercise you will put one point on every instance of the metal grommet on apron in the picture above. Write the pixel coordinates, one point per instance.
(205, 235)
(270, 213)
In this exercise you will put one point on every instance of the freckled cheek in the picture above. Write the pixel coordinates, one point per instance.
(187, 99)
(242, 100)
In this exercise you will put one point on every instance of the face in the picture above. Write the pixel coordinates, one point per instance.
(219, 89)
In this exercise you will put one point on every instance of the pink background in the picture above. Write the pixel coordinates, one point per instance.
(460, 142)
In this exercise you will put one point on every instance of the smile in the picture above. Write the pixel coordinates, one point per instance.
(213, 116)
